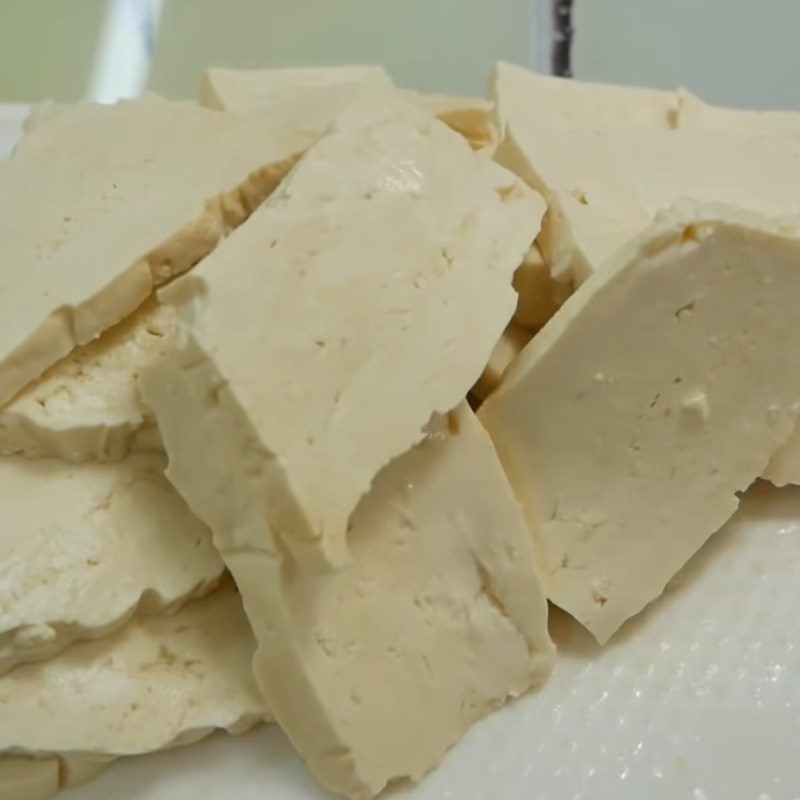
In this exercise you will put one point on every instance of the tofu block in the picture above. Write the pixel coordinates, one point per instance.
(522, 97)
(136, 193)
(158, 682)
(675, 395)
(376, 669)
(395, 245)
(245, 90)
(251, 89)
(505, 351)
(604, 186)
(87, 546)
(87, 406)
(693, 113)
(538, 295)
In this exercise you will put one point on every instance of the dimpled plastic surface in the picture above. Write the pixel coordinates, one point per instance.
(698, 698)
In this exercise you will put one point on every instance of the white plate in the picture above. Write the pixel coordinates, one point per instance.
(698, 698)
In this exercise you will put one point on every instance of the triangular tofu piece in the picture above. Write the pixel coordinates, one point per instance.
(656, 394)
(87, 406)
(376, 669)
(86, 546)
(395, 245)
(604, 186)
(158, 682)
(136, 194)
(43, 777)
(250, 89)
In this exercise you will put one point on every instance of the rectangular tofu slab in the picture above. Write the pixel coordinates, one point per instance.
(376, 669)
(603, 186)
(693, 113)
(136, 193)
(366, 294)
(521, 96)
(86, 546)
(251, 89)
(87, 406)
(678, 388)
(158, 682)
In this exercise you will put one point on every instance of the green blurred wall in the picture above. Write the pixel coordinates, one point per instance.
(47, 48)
(438, 45)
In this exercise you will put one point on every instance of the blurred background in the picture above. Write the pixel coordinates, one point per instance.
(734, 52)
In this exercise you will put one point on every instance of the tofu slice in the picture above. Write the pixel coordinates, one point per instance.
(505, 351)
(604, 186)
(87, 406)
(522, 97)
(675, 395)
(396, 245)
(250, 89)
(136, 194)
(246, 90)
(693, 113)
(85, 547)
(538, 295)
(158, 682)
(376, 669)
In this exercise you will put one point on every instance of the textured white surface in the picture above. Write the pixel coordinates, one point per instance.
(697, 699)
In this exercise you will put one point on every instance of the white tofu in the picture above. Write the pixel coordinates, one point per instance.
(246, 90)
(522, 97)
(675, 395)
(158, 682)
(136, 193)
(85, 547)
(604, 186)
(376, 669)
(505, 351)
(693, 113)
(395, 245)
(87, 406)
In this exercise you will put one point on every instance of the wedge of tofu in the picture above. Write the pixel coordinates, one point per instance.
(522, 97)
(604, 186)
(245, 90)
(158, 682)
(136, 194)
(87, 546)
(390, 226)
(376, 669)
(693, 113)
(87, 406)
(658, 392)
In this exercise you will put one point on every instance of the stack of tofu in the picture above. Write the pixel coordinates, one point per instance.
(241, 479)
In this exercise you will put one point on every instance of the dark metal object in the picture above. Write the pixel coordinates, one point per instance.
(560, 50)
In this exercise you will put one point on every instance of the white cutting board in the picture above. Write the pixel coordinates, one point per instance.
(697, 699)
